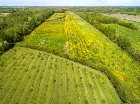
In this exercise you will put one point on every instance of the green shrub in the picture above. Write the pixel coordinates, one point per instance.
(122, 42)
(127, 24)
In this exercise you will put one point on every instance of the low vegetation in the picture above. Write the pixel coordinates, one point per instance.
(31, 76)
(74, 38)
(31, 72)
(131, 11)
(128, 39)
(49, 36)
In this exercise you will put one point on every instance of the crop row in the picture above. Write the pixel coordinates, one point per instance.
(31, 76)
(81, 42)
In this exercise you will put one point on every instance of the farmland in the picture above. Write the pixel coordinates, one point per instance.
(68, 55)
(124, 33)
(83, 43)
(30, 76)
(50, 39)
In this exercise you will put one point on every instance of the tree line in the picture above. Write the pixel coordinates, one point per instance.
(15, 26)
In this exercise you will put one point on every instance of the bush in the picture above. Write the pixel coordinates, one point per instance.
(127, 24)
(106, 19)
(108, 30)
(122, 42)
(4, 45)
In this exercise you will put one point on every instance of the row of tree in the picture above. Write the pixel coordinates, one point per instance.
(108, 20)
(15, 26)
(110, 31)
(107, 28)
(131, 11)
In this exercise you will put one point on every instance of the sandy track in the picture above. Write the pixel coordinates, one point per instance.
(4, 14)
(125, 16)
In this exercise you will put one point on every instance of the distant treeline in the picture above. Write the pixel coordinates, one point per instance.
(122, 10)
(12, 10)
(131, 11)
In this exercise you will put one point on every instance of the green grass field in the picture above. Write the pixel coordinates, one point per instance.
(30, 76)
(76, 39)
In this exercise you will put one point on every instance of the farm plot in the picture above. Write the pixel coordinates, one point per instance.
(83, 43)
(49, 36)
(30, 76)
(88, 45)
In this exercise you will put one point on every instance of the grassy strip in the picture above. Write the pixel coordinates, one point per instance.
(38, 82)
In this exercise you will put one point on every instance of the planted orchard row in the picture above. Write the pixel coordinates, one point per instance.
(38, 77)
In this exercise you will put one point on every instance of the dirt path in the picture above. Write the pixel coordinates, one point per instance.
(125, 16)
(4, 14)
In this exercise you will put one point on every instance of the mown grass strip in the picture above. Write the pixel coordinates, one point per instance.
(46, 78)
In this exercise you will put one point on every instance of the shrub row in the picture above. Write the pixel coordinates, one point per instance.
(109, 20)
(21, 26)
(110, 31)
